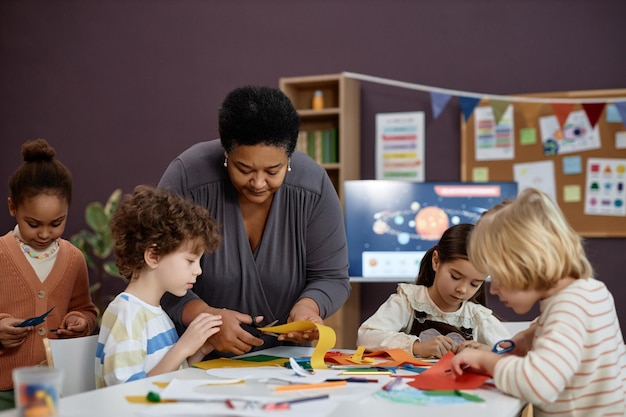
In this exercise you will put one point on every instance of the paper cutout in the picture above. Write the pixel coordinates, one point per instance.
(499, 106)
(438, 377)
(358, 356)
(326, 341)
(621, 109)
(394, 357)
(612, 115)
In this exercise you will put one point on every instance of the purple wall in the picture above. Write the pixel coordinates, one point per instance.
(121, 87)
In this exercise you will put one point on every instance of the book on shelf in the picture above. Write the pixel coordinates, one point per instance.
(320, 144)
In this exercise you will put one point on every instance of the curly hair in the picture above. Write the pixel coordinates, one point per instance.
(253, 115)
(39, 174)
(160, 220)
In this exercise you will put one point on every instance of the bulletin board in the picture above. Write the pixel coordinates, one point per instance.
(576, 190)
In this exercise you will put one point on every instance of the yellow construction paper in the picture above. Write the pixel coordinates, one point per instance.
(327, 338)
(357, 357)
(236, 363)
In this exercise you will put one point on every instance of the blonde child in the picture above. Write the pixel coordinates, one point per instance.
(39, 270)
(444, 311)
(571, 361)
(159, 240)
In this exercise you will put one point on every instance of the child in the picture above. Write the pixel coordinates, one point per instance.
(572, 361)
(159, 240)
(39, 270)
(443, 312)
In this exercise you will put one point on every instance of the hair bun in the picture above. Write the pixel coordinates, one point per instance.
(37, 150)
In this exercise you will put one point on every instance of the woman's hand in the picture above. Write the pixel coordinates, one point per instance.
(436, 347)
(304, 309)
(10, 335)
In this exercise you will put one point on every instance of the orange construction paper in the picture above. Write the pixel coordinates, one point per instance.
(396, 357)
(438, 377)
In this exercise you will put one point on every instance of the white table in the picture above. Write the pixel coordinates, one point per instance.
(111, 401)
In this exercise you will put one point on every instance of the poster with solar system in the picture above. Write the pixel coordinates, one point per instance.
(391, 224)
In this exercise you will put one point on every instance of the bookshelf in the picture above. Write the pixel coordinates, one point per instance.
(335, 125)
(330, 134)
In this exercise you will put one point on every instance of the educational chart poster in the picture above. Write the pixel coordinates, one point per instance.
(576, 135)
(494, 141)
(400, 146)
(391, 224)
(605, 193)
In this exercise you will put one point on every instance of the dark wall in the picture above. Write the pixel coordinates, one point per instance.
(121, 87)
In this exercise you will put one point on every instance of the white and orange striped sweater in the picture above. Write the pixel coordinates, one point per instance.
(577, 363)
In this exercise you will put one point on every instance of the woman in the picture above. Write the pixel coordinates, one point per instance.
(284, 253)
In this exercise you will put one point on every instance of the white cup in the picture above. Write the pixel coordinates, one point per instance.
(37, 390)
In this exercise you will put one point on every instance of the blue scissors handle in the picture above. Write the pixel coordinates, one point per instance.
(500, 350)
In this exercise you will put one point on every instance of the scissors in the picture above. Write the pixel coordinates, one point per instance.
(34, 321)
(500, 350)
(256, 325)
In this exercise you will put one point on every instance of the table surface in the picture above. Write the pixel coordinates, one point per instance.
(111, 401)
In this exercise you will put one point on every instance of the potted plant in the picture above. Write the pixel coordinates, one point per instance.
(96, 245)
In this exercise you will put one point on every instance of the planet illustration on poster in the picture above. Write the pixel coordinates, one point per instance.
(421, 223)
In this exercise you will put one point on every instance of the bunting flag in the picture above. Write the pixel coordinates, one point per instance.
(621, 108)
(593, 110)
(467, 106)
(499, 107)
(531, 111)
(561, 111)
(438, 102)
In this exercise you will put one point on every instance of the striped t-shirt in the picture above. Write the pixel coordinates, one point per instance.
(577, 363)
(134, 337)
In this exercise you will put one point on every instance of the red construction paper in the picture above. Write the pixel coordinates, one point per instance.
(436, 377)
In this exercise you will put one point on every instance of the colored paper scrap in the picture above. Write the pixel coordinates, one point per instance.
(480, 174)
(326, 341)
(612, 115)
(572, 165)
(438, 377)
(236, 363)
(571, 193)
(528, 136)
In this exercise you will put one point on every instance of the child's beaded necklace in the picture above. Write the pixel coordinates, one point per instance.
(30, 251)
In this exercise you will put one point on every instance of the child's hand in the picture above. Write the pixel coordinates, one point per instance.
(10, 335)
(436, 347)
(524, 340)
(75, 326)
(477, 359)
(472, 344)
(199, 330)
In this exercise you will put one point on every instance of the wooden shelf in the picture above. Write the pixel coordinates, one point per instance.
(341, 111)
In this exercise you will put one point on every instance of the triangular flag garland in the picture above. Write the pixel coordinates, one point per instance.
(438, 102)
(468, 101)
(499, 106)
(561, 111)
(467, 106)
(593, 111)
(621, 108)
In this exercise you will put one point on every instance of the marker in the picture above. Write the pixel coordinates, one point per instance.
(356, 379)
(295, 387)
(285, 405)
